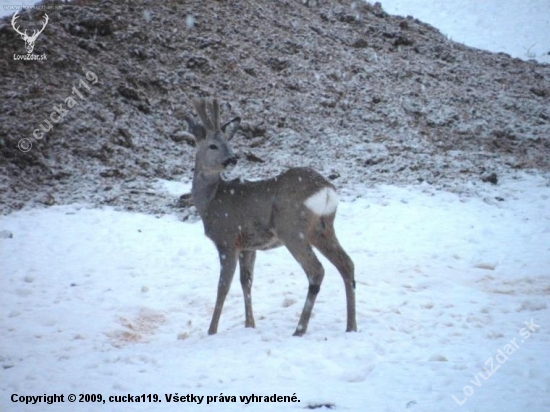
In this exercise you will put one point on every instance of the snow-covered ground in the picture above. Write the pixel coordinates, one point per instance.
(95, 301)
(519, 28)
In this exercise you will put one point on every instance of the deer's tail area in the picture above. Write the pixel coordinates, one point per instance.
(324, 202)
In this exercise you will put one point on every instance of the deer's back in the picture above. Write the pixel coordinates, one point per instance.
(251, 215)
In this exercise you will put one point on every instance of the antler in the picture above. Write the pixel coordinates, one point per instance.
(15, 17)
(211, 122)
(214, 108)
(197, 130)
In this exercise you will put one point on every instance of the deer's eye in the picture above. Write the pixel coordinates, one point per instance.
(213, 147)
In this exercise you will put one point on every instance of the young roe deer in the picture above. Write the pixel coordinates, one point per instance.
(295, 209)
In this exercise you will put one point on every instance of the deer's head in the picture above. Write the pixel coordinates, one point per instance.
(213, 151)
(29, 40)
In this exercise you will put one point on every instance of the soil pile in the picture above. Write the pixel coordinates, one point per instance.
(341, 86)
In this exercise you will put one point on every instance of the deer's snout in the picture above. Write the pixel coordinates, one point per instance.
(230, 161)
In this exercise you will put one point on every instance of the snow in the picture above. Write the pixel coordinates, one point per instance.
(449, 287)
(97, 301)
(172, 187)
(518, 28)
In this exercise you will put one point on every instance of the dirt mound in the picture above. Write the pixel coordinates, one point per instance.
(341, 86)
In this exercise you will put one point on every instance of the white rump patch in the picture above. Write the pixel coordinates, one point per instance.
(324, 202)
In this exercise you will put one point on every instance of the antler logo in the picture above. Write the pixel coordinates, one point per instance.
(29, 40)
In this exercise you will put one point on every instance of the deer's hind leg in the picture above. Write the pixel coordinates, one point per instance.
(302, 251)
(246, 265)
(324, 239)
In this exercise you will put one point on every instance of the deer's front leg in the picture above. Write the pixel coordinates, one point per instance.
(228, 263)
(246, 265)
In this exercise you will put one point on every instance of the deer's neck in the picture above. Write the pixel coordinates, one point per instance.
(205, 187)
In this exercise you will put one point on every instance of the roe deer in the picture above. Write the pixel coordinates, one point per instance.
(295, 209)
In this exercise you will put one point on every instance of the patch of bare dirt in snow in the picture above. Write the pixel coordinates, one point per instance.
(362, 96)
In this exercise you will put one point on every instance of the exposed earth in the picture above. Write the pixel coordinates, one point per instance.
(362, 96)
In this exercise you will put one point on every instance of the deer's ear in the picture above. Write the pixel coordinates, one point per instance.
(195, 130)
(230, 128)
